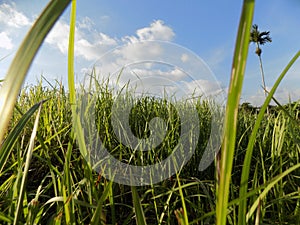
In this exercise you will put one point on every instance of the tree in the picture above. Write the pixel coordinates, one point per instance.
(260, 38)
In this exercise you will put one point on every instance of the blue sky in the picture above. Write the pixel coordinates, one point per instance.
(207, 28)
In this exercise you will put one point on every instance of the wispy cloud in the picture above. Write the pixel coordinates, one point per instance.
(11, 20)
(5, 41)
(157, 31)
(11, 17)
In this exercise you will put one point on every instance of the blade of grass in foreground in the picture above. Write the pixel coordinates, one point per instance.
(24, 57)
(230, 126)
(138, 209)
(26, 168)
(67, 183)
(12, 137)
(249, 151)
(71, 83)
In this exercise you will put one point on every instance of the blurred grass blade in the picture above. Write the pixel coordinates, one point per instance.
(230, 125)
(12, 137)
(24, 57)
(5, 218)
(249, 151)
(138, 209)
(26, 168)
(71, 55)
(98, 212)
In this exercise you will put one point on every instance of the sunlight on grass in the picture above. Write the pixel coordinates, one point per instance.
(46, 176)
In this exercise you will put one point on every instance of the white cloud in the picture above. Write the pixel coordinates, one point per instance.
(86, 23)
(59, 36)
(173, 74)
(10, 16)
(157, 31)
(92, 45)
(184, 57)
(87, 49)
(104, 39)
(5, 41)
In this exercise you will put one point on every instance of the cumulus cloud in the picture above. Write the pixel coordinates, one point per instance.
(157, 31)
(59, 37)
(95, 44)
(87, 49)
(5, 41)
(11, 17)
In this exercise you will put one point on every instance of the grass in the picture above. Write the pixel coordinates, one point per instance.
(275, 154)
(46, 179)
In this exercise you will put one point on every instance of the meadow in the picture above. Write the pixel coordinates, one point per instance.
(44, 178)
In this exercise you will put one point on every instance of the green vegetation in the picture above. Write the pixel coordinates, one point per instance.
(44, 178)
(276, 149)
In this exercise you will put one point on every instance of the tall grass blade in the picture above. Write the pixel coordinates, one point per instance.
(12, 137)
(26, 168)
(71, 83)
(67, 185)
(183, 212)
(230, 125)
(24, 57)
(71, 55)
(138, 209)
(249, 151)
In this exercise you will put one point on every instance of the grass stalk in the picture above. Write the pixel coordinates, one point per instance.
(26, 168)
(138, 209)
(230, 125)
(7, 146)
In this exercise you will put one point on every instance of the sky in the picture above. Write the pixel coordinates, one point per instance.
(201, 34)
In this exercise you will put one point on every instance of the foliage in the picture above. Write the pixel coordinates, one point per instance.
(44, 178)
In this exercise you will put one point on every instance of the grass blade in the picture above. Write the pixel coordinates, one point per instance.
(138, 209)
(12, 137)
(67, 185)
(24, 57)
(71, 54)
(71, 83)
(249, 151)
(25, 172)
(268, 188)
(97, 215)
(230, 127)
(182, 213)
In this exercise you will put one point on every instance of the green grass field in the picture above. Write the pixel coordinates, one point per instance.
(276, 149)
(44, 178)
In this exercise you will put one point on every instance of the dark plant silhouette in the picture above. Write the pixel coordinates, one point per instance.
(260, 38)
